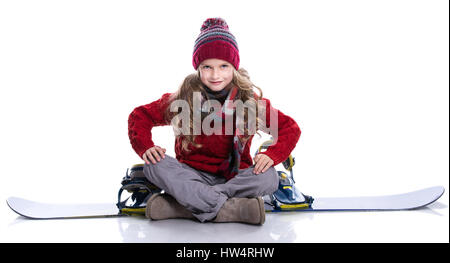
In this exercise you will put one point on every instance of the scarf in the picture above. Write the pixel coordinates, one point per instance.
(229, 167)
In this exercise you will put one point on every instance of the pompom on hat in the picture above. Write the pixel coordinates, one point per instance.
(215, 41)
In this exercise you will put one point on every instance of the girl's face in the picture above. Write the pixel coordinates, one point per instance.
(216, 74)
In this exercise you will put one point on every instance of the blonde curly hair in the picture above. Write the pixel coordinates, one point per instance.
(192, 83)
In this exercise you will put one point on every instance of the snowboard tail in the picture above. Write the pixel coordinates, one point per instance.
(405, 201)
(36, 210)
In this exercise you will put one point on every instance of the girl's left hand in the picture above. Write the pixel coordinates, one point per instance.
(262, 163)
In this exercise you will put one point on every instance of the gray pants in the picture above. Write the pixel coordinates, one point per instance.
(204, 193)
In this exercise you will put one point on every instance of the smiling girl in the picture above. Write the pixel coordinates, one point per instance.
(212, 177)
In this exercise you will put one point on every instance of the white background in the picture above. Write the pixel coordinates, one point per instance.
(367, 82)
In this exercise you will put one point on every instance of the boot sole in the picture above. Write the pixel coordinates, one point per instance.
(262, 210)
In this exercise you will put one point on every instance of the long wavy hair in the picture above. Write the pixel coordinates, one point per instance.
(192, 83)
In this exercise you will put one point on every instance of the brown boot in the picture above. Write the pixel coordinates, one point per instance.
(164, 206)
(244, 210)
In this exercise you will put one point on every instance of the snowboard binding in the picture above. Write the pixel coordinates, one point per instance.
(287, 196)
(139, 190)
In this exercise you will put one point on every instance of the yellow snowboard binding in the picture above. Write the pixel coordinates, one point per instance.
(287, 196)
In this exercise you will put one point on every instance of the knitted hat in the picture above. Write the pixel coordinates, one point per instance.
(215, 41)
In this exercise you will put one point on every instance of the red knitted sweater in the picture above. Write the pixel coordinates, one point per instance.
(216, 148)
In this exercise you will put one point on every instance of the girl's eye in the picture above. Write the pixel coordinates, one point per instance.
(209, 66)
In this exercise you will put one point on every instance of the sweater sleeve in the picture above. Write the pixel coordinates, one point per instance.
(141, 121)
(288, 133)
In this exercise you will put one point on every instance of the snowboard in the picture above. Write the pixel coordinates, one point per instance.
(405, 201)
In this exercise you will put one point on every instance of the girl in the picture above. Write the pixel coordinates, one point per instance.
(213, 177)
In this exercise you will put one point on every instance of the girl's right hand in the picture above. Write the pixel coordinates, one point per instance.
(154, 154)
